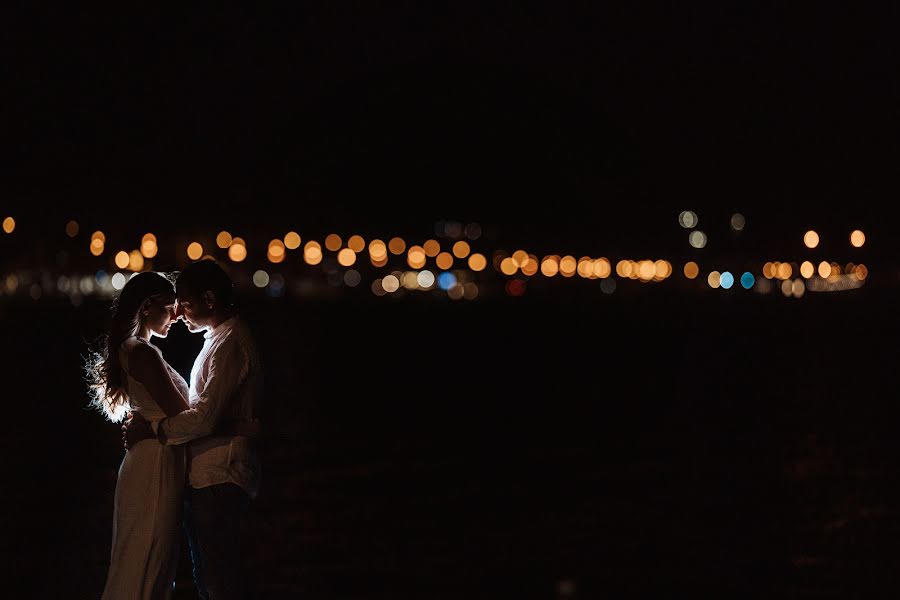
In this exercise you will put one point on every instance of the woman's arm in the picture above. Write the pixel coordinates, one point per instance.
(147, 366)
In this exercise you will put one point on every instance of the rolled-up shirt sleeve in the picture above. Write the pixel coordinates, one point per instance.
(227, 368)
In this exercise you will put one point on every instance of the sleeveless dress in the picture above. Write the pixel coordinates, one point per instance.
(148, 502)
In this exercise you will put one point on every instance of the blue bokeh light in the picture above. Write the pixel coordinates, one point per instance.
(446, 280)
(726, 280)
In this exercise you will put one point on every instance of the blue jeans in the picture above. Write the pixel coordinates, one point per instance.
(213, 519)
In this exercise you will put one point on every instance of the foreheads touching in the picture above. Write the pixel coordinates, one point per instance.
(204, 295)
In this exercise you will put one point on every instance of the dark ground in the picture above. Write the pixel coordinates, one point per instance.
(648, 444)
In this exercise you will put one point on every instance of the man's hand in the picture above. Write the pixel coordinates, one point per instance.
(136, 429)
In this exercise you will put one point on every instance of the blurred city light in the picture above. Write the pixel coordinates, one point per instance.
(312, 253)
(473, 231)
(455, 270)
(237, 251)
(260, 279)
(223, 240)
(691, 270)
(292, 240)
(461, 249)
(431, 248)
(811, 239)
(726, 280)
(346, 257)
(477, 262)
(135, 261)
(444, 260)
(195, 250)
(397, 246)
(687, 219)
(697, 239)
(416, 257)
(333, 242)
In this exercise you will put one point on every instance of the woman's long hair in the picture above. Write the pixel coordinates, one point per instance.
(105, 377)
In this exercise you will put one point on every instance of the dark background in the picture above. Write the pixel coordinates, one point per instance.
(661, 441)
(352, 114)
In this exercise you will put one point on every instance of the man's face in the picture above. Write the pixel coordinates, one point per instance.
(193, 310)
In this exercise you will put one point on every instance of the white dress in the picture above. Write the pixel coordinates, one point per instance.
(147, 515)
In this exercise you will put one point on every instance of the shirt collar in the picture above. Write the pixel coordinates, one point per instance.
(220, 329)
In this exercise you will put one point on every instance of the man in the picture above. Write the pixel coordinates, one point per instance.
(225, 395)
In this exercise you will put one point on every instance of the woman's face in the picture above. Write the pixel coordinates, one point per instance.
(161, 315)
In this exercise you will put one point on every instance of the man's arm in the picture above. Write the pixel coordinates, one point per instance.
(135, 429)
(227, 368)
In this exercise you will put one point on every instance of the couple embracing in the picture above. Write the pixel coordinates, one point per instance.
(191, 463)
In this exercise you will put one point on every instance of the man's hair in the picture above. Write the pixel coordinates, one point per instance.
(207, 275)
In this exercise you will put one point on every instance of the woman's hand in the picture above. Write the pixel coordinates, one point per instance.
(136, 429)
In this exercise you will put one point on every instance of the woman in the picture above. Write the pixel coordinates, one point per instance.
(130, 374)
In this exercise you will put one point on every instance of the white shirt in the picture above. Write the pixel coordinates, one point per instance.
(226, 384)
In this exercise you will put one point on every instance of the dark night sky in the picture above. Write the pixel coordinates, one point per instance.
(356, 115)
